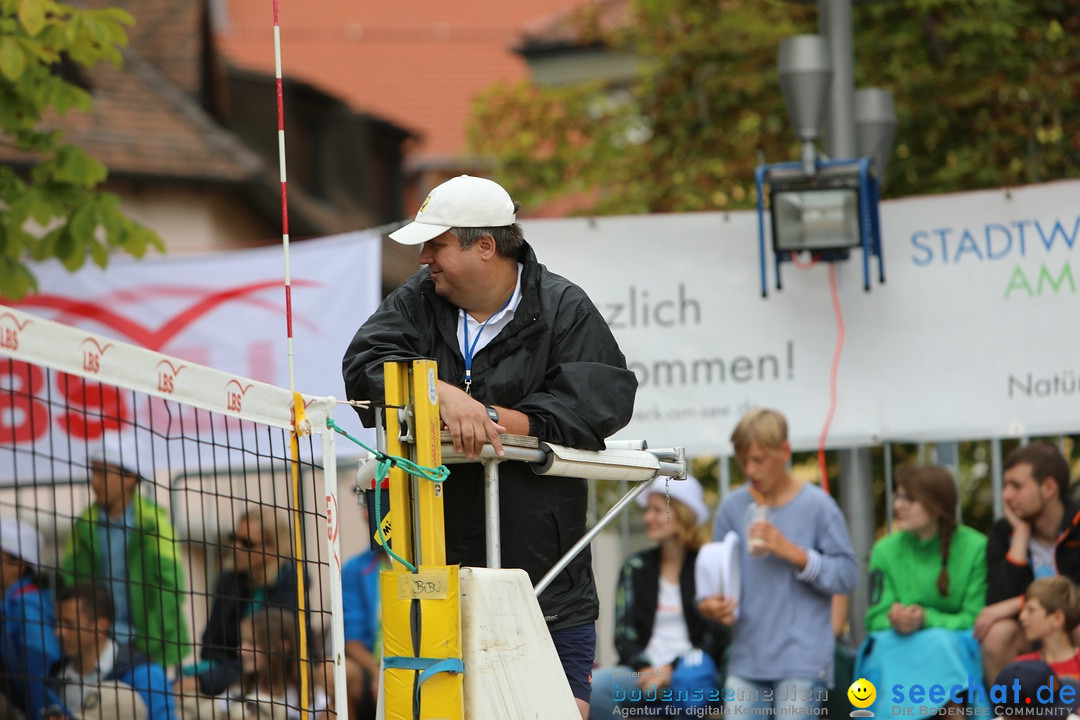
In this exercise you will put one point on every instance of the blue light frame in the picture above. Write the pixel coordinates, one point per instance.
(869, 219)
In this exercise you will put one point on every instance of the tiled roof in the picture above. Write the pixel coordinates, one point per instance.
(419, 63)
(142, 125)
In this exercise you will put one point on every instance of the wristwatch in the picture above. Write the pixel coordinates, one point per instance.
(492, 413)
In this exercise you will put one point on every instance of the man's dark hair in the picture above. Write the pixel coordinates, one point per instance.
(1046, 461)
(93, 596)
(508, 238)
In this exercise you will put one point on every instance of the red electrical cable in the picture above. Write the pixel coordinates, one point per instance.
(832, 376)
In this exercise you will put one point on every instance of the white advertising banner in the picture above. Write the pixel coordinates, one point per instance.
(973, 334)
(225, 311)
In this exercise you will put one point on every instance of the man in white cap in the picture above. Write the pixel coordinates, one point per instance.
(126, 542)
(520, 350)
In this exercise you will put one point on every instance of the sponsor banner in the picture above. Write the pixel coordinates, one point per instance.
(971, 335)
(224, 311)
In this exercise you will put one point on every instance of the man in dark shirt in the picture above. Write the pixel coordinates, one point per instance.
(1039, 536)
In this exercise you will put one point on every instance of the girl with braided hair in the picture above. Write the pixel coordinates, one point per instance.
(927, 585)
(932, 572)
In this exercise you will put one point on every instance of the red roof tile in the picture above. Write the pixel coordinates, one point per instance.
(418, 64)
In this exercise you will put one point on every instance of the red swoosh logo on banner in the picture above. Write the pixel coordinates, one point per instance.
(141, 334)
(14, 321)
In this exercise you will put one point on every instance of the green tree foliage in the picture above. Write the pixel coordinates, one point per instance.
(55, 210)
(984, 91)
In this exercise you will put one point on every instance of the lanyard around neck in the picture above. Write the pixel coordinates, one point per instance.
(467, 349)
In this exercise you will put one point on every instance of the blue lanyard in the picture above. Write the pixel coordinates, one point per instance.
(470, 349)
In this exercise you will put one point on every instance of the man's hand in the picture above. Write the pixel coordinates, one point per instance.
(906, 619)
(719, 608)
(1021, 535)
(468, 422)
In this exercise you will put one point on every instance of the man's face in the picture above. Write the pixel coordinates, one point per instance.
(112, 486)
(1025, 496)
(78, 629)
(454, 271)
(765, 467)
(11, 569)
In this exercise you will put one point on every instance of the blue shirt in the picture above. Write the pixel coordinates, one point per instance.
(114, 536)
(784, 628)
(360, 597)
(28, 645)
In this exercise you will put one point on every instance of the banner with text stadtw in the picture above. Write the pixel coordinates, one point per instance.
(973, 334)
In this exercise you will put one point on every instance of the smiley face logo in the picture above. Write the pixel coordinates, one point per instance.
(862, 693)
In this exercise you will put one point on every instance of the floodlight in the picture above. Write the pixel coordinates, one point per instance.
(827, 213)
(815, 213)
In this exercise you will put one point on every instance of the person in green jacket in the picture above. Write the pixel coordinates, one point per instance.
(932, 573)
(126, 542)
(927, 586)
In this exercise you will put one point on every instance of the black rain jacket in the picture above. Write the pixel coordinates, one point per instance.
(558, 363)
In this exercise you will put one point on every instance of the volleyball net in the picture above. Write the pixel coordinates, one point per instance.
(201, 505)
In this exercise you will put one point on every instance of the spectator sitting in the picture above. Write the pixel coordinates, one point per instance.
(263, 575)
(1051, 612)
(28, 647)
(927, 586)
(126, 542)
(96, 666)
(363, 630)
(669, 655)
(270, 683)
(1038, 537)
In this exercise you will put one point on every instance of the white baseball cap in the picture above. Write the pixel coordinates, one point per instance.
(463, 202)
(21, 540)
(117, 450)
(688, 492)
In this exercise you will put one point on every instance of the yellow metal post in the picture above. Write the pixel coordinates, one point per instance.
(421, 609)
(397, 393)
(428, 445)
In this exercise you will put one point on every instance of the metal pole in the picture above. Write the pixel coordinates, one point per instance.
(835, 24)
(855, 481)
(888, 487)
(996, 476)
(834, 19)
(491, 505)
(588, 536)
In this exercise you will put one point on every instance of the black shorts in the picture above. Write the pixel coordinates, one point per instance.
(577, 651)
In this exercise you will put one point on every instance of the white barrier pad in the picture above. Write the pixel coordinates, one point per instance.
(511, 667)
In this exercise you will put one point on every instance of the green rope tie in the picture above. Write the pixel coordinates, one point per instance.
(434, 474)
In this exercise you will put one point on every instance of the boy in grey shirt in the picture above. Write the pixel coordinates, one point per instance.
(796, 554)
